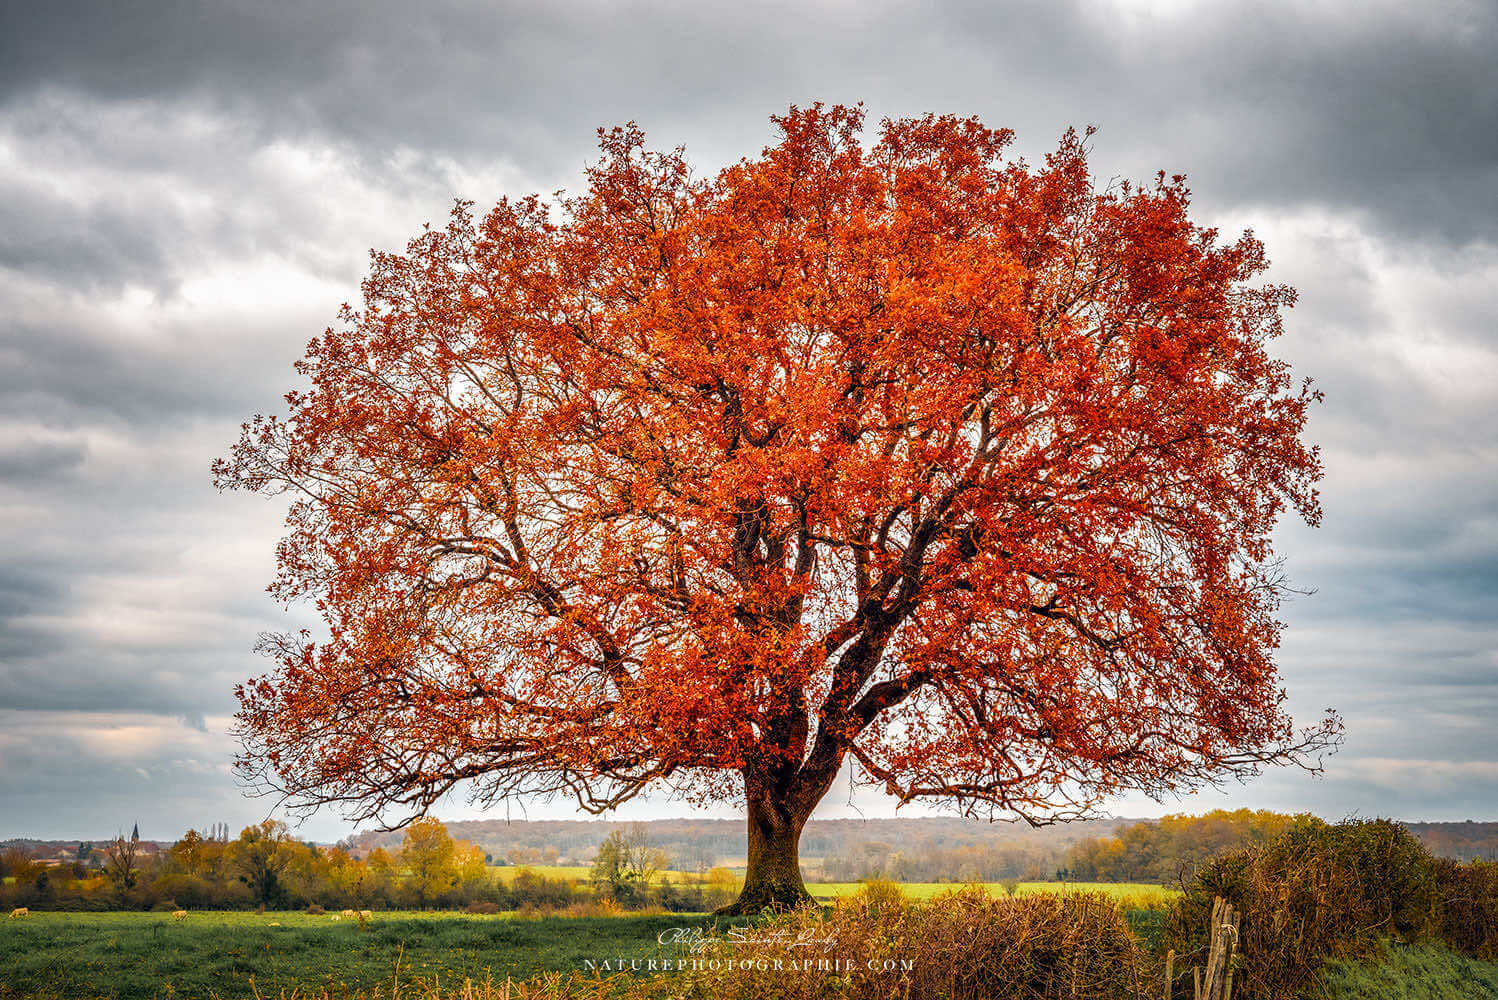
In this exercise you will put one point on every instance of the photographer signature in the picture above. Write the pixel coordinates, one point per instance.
(697, 940)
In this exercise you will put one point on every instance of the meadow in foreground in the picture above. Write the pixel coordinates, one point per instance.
(965, 944)
(138, 955)
(134, 956)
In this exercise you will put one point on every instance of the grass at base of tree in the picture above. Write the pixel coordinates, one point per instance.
(1411, 972)
(135, 956)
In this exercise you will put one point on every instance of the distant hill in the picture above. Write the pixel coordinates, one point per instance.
(915, 849)
(1466, 841)
(925, 848)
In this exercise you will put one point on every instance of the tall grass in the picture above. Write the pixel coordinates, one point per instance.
(1410, 972)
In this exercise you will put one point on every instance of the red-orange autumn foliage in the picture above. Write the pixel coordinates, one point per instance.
(905, 453)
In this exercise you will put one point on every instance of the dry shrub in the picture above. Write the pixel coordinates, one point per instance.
(483, 907)
(964, 945)
(315, 910)
(605, 906)
(969, 944)
(1319, 891)
(880, 894)
(1469, 907)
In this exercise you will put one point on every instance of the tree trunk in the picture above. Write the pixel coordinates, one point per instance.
(773, 878)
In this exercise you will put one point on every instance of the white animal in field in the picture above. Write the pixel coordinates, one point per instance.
(336, 918)
(179, 914)
(19, 912)
(365, 915)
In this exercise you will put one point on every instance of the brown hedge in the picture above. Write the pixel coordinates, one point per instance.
(1469, 907)
(1319, 891)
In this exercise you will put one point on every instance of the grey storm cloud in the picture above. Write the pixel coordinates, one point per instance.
(188, 191)
(1383, 108)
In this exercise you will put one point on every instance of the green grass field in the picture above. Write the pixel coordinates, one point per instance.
(135, 956)
(914, 890)
(568, 872)
(1413, 972)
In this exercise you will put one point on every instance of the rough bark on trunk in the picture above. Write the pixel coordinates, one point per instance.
(773, 878)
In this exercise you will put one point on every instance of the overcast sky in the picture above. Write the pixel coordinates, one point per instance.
(189, 191)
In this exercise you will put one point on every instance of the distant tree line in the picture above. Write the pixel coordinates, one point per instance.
(424, 866)
(1170, 848)
(265, 867)
(695, 844)
(1159, 851)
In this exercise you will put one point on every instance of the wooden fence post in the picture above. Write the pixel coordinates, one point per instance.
(1216, 981)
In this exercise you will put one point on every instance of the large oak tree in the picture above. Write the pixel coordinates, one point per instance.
(904, 455)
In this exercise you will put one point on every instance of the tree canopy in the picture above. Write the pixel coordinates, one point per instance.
(906, 453)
